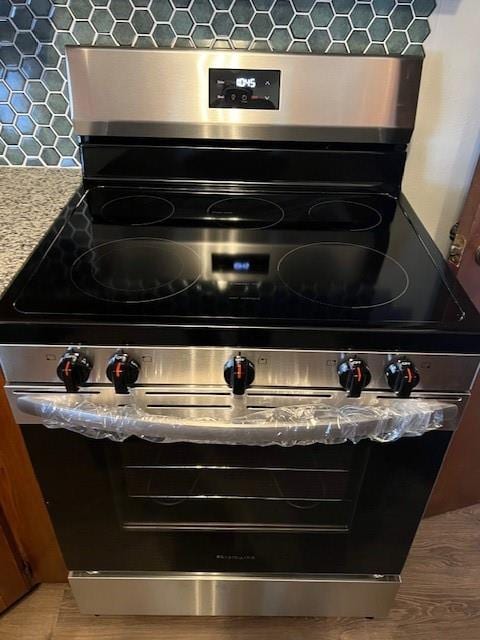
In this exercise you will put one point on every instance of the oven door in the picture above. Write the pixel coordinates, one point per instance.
(136, 506)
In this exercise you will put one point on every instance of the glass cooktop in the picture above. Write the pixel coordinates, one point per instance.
(297, 257)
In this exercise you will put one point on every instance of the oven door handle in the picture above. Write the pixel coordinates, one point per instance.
(287, 426)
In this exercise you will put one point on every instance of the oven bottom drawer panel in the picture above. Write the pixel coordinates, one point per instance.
(217, 594)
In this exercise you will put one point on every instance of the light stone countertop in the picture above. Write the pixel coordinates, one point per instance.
(30, 200)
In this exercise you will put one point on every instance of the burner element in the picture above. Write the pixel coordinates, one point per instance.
(138, 210)
(136, 270)
(345, 215)
(246, 213)
(343, 275)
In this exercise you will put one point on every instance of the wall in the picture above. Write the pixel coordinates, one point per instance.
(446, 141)
(36, 129)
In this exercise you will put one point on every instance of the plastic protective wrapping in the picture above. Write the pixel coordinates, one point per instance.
(327, 422)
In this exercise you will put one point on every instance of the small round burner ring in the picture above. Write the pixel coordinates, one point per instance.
(386, 263)
(145, 200)
(280, 213)
(136, 270)
(361, 206)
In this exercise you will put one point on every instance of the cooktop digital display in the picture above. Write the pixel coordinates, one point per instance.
(244, 89)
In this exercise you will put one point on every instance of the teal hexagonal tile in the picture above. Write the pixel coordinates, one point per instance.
(361, 16)
(65, 146)
(4, 92)
(376, 49)
(358, 42)
(61, 17)
(222, 23)
(203, 36)
(83, 32)
(30, 146)
(14, 156)
(45, 135)
(415, 50)
(25, 124)
(184, 43)
(301, 26)
(50, 157)
(145, 42)
(31, 68)
(337, 49)
(423, 8)
(9, 134)
(120, 9)
(20, 103)
(340, 27)
(36, 91)
(22, 17)
(7, 115)
(303, 6)
(161, 10)
(104, 40)
(396, 42)
(418, 31)
(282, 12)
(319, 40)
(299, 47)
(163, 35)
(7, 32)
(201, 11)
(261, 25)
(61, 125)
(401, 16)
(57, 103)
(223, 4)
(102, 20)
(260, 45)
(280, 39)
(53, 80)
(142, 21)
(343, 6)
(241, 37)
(81, 9)
(383, 7)
(321, 14)
(26, 43)
(14, 80)
(379, 29)
(40, 7)
(181, 22)
(123, 33)
(43, 30)
(41, 114)
(49, 57)
(222, 43)
(9, 55)
(242, 11)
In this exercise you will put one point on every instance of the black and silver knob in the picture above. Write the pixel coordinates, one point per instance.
(73, 370)
(354, 376)
(122, 371)
(239, 374)
(402, 376)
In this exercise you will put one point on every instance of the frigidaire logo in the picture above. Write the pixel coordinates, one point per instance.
(224, 556)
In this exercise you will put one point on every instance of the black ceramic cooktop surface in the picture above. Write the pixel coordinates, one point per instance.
(294, 258)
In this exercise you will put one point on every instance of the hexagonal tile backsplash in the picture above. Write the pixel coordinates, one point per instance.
(35, 126)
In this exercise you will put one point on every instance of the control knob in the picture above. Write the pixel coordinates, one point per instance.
(239, 373)
(123, 372)
(73, 370)
(402, 376)
(354, 376)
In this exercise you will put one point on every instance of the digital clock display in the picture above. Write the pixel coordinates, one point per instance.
(244, 89)
(242, 83)
(246, 263)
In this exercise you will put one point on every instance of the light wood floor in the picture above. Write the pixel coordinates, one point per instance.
(439, 600)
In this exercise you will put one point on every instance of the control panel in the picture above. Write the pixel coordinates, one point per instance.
(244, 89)
(122, 368)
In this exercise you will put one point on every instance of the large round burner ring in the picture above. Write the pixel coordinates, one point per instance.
(355, 216)
(136, 270)
(246, 212)
(137, 210)
(342, 275)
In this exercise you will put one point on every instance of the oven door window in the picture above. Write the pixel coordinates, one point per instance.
(197, 487)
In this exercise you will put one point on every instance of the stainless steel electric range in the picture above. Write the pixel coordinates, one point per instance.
(237, 358)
